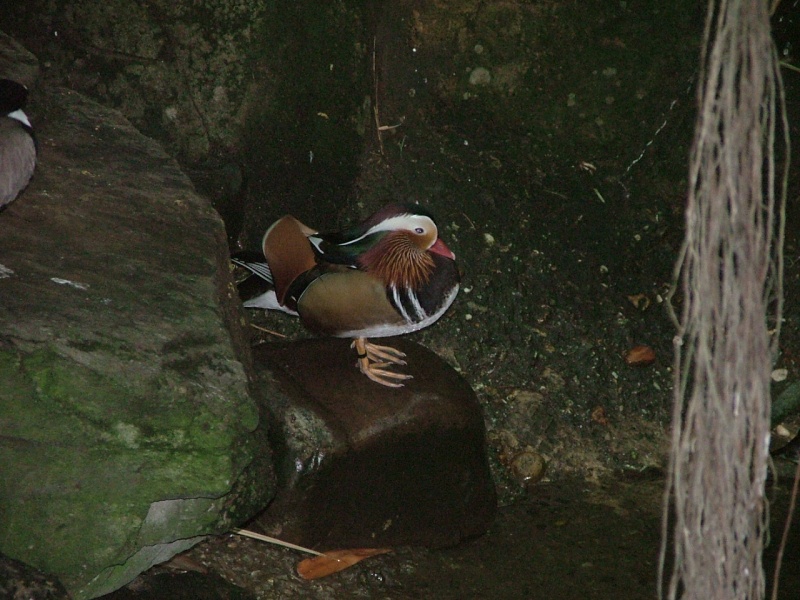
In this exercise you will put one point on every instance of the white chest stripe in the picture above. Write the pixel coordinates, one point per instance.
(410, 297)
(398, 303)
(417, 306)
(408, 327)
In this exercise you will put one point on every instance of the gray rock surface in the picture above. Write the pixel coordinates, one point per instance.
(16, 62)
(126, 428)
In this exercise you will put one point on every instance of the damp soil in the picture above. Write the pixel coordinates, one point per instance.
(562, 197)
(570, 539)
(566, 221)
(567, 255)
(556, 291)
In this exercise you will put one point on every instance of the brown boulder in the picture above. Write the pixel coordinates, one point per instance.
(363, 465)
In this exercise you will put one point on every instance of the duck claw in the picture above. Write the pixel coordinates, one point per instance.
(373, 360)
(389, 355)
(383, 376)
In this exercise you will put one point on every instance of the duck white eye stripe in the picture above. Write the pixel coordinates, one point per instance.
(406, 221)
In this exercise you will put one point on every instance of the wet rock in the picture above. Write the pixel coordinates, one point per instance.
(16, 62)
(128, 432)
(362, 465)
(180, 586)
(18, 580)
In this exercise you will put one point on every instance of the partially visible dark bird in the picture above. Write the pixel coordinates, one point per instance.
(389, 275)
(17, 145)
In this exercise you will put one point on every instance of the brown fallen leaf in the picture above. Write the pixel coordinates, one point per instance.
(640, 355)
(599, 415)
(640, 301)
(335, 561)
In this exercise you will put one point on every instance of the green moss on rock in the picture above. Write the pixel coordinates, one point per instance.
(73, 443)
(128, 431)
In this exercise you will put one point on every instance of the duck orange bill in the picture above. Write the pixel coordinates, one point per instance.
(335, 561)
(439, 247)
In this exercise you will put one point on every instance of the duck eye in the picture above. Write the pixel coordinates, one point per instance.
(419, 231)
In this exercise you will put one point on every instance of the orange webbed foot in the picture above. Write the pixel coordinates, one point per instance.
(373, 360)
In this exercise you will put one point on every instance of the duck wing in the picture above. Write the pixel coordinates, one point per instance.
(288, 252)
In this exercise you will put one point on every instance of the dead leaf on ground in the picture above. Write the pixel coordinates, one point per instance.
(599, 415)
(640, 301)
(640, 355)
(335, 561)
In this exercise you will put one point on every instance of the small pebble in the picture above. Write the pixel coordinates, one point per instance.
(780, 374)
(528, 466)
(480, 76)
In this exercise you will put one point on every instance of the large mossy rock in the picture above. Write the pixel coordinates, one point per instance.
(127, 432)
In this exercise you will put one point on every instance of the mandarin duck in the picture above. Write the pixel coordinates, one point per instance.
(17, 145)
(387, 276)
